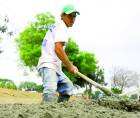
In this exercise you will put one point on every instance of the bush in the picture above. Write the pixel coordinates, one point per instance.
(30, 86)
(5, 83)
(39, 88)
(116, 90)
(97, 94)
(125, 97)
(87, 93)
(93, 95)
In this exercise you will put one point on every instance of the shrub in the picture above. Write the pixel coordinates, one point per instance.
(116, 90)
(39, 88)
(5, 83)
(97, 94)
(28, 86)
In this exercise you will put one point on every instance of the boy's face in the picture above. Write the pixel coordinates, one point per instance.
(69, 19)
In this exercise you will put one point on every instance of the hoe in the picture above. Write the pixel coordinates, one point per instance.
(102, 88)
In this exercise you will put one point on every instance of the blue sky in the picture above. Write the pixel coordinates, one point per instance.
(108, 28)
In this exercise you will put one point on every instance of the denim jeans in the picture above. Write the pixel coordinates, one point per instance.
(53, 83)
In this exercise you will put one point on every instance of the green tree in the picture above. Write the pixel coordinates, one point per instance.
(86, 64)
(30, 40)
(72, 51)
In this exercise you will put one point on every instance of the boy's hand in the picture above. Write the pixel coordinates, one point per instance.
(73, 69)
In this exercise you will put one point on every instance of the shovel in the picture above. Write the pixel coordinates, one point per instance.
(102, 88)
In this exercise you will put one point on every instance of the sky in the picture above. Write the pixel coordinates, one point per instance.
(108, 28)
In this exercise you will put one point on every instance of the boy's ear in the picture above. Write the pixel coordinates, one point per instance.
(62, 15)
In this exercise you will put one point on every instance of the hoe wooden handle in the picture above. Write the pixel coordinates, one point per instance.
(102, 88)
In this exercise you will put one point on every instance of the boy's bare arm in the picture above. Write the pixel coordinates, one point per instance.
(60, 52)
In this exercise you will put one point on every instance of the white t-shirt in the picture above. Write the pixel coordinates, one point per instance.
(56, 33)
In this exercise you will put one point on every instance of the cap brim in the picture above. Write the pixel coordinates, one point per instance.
(72, 11)
(77, 13)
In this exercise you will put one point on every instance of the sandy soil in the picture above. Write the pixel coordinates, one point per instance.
(18, 104)
(9, 96)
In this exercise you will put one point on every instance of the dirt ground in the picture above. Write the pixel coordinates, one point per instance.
(19, 104)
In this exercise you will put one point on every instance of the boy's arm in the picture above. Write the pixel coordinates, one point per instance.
(60, 52)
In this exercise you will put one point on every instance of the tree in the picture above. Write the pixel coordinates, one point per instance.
(72, 51)
(30, 40)
(124, 78)
(86, 64)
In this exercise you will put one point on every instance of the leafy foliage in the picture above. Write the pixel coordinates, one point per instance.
(94, 95)
(39, 88)
(5, 83)
(97, 94)
(86, 63)
(116, 90)
(30, 40)
(30, 86)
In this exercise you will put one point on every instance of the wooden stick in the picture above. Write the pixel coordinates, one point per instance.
(102, 88)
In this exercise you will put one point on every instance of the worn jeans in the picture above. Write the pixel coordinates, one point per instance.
(53, 83)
